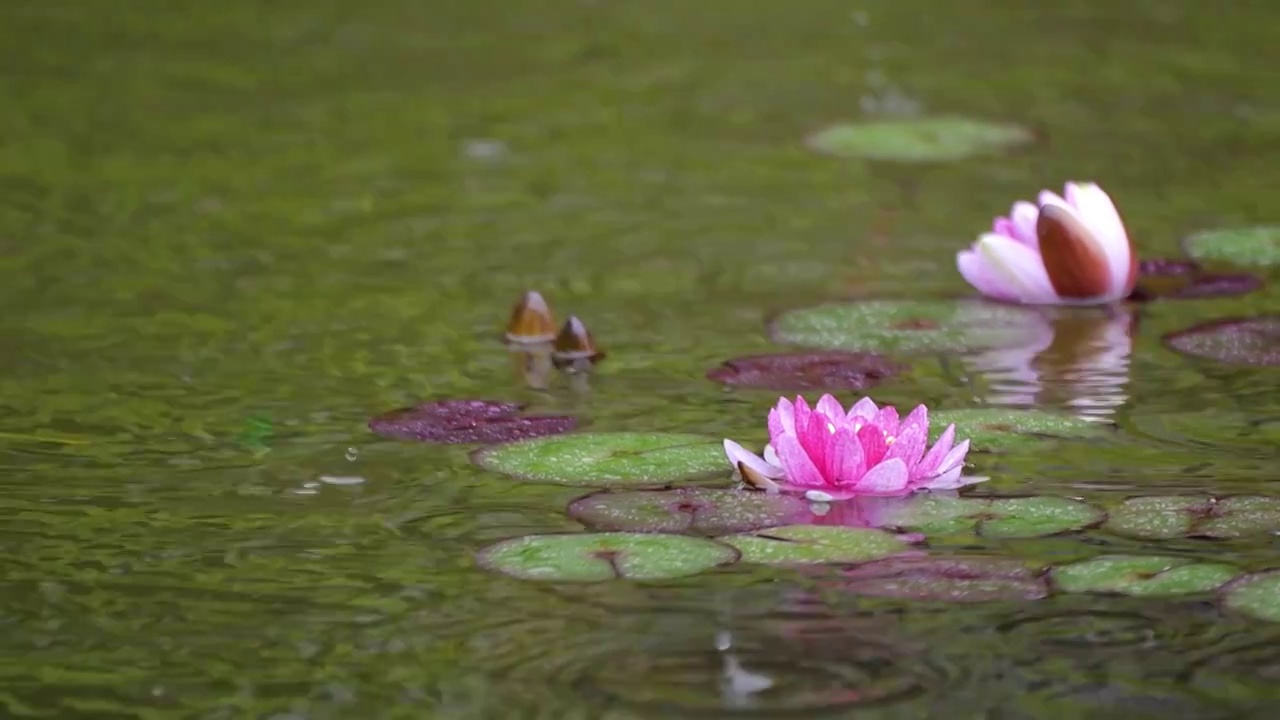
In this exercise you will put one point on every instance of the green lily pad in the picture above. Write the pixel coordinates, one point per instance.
(1257, 246)
(1212, 430)
(908, 326)
(1257, 595)
(704, 511)
(1002, 518)
(811, 544)
(934, 139)
(605, 556)
(620, 459)
(1165, 517)
(1142, 575)
(1002, 428)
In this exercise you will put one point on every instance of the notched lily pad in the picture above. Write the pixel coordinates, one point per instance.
(704, 511)
(997, 518)
(1002, 429)
(1236, 341)
(936, 139)
(1177, 279)
(948, 579)
(605, 556)
(908, 326)
(830, 371)
(1142, 575)
(468, 421)
(1257, 246)
(1256, 595)
(811, 544)
(607, 459)
(1165, 517)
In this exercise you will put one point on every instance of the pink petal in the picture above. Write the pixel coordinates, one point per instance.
(975, 272)
(1048, 196)
(887, 478)
(782, 419)
(954, 459)
(887, 420)
(738, 454)
(1018, 268)
(831, 409)
(950, 481)
(815, 435)
(847, 463)
(1024, 216)
(873, 444)
(928, 465)
(908, 446)
(864, 409)
(919, 416)
(802, 413)
(800, 470)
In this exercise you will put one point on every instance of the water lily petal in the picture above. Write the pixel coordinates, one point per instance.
(888, 478)
(782, 419)
(831, 409)
(799, 468)
(1073, 256)
(738, 454)
(864, 410)
(873, 444)
(919, 417)
(1024, 216)
(847, 461)
(909, 444)
(983, 279)
(955, 458)
(933, 459)
(1019, 268)
(771, 456)
(887, 420)
(1099, 213)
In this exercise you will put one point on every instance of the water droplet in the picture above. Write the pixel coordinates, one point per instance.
(352, 454)
(341, 479)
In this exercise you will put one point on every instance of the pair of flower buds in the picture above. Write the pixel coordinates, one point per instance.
(532, 324)
(1069, 249)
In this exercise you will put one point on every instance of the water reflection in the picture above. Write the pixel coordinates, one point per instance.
(1076, 358)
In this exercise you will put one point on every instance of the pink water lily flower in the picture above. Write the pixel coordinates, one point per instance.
(826, 453)
(1070, 250)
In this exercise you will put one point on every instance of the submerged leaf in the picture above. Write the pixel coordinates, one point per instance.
(828, 371)
(809, 544)
(704, 511)
(619, 459)
(948, 579)
(468, 421)
(1237, 341)
(605, 556)
(1142, 575)
(1257, 594)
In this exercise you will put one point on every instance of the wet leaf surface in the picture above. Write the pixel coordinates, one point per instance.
(811, 544)
(468, 421)
(605, 556)
(1003, 518)
(704, 511)
(1002, 429)
(1142, 575)
(1175, 516)
(621, 459)
(1236, 341)
(1177, 279)
(948, 579)
(935, 139)
(1256, 595)
(829, 371)
(1248, 246)
(908, 326)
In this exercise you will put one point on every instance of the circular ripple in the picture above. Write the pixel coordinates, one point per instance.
(1096, 629)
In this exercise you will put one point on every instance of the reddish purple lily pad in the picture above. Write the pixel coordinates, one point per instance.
(1178, 279)
(1237, 341)
(806, 371)
(468, 421)
(954, 579)
(701, 511)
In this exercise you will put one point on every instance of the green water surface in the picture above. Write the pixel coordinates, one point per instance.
(232, 232)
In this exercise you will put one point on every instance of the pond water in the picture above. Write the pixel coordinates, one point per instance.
(232, 233)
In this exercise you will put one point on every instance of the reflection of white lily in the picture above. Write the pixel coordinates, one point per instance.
(1079, 358)
(737, 684)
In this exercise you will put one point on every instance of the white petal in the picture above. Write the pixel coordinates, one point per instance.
(1020, 267)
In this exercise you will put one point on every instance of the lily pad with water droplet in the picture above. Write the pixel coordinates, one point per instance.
(908, 326)
(810, 544)
(598, 557)
(468, 421)
(936, 139)
(608, 459)
(1142, 575)
(1235, 341)
(1163, 517)
(830, 371)
(704, 511)
(1002, 429)
(1002, 518)
(1256, 594)
(1252, 246)
(948, 579)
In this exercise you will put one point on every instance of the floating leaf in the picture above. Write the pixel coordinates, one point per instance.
(1258, 246)
(703, 511)
(620, 459)
(605, 556)
(1213, 429)
(1257, 594)
(1142, 575)
(1167, 517)
(1184, 280)
(919, 139)
(908, 326)
(468, 421)
(1003, 518)
(830, 371)
(1239, 341)
(808, 544)
(949, 579)
(1001, 428)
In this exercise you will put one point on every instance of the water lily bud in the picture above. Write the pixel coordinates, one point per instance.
(574, 347)
(531, 321)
